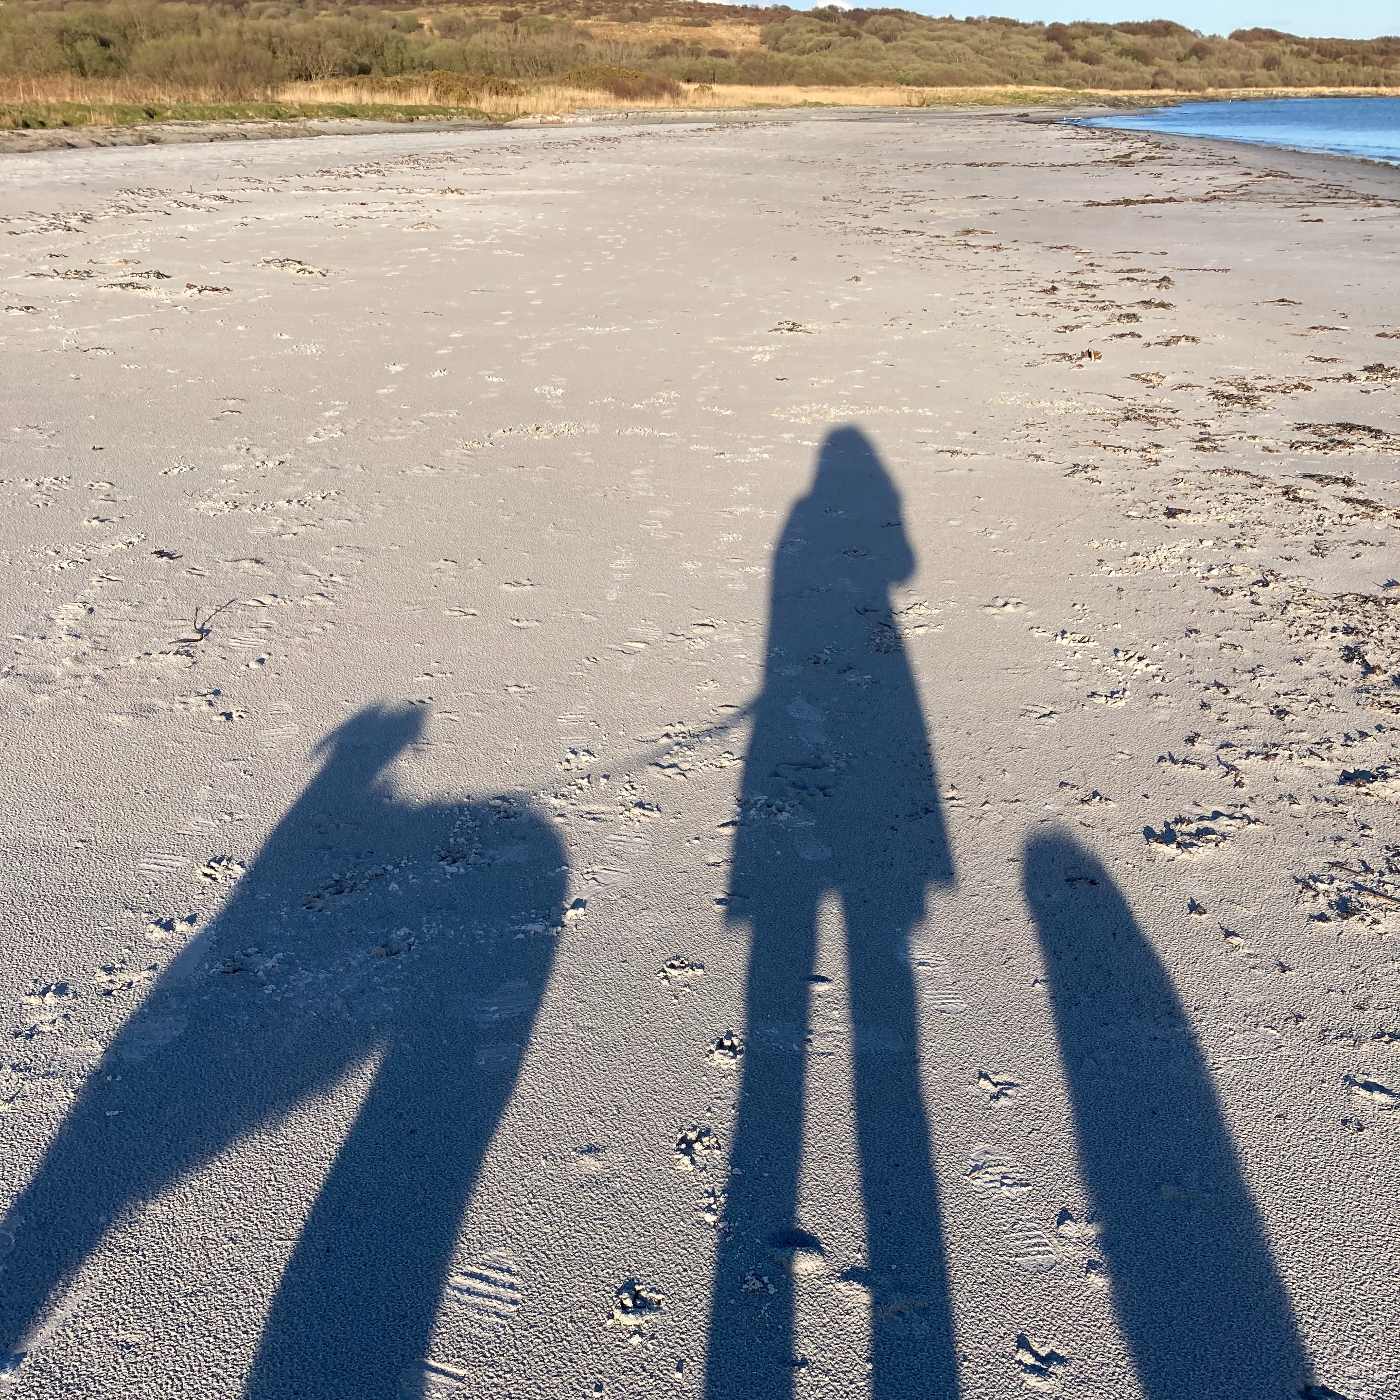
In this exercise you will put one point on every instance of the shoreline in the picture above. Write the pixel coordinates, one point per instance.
(1381, 177)
(27, 141)
(1102, 121)
(59, 139)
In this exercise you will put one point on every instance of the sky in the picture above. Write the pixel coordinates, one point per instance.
(1341, 19)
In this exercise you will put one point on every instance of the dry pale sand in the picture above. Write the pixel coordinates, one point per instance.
(747, 761)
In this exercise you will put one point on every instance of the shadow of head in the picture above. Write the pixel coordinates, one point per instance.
(854, 503)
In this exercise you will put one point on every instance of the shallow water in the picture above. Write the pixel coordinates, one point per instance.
(1354, 126)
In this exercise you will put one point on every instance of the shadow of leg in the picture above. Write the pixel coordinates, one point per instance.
(750, 1355)
(180, 1083)
(356, 1309)
(911, 1325)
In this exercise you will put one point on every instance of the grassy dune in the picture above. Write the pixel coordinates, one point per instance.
(114, 62)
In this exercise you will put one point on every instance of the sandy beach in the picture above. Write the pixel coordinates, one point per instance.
(749, 759)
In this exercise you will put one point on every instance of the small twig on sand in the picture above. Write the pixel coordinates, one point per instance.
(202, 627)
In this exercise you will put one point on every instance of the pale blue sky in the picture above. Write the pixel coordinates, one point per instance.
(1342, 19)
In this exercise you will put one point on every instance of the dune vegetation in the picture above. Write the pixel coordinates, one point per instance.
(73, 61)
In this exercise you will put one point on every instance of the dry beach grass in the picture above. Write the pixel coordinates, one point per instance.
(66, 101)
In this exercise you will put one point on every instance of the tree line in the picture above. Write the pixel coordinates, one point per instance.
(247, 47)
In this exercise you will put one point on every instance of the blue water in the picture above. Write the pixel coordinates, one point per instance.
(1349, 126)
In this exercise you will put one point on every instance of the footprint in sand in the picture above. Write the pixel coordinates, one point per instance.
(1027, 1245)
(998, 1086)
(989, 1169)
(487, 1293)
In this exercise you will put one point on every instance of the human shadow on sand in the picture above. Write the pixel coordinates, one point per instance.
(371, 930)
(839, 799)
(1193, 1281)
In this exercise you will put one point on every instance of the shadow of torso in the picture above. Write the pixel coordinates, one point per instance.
(839, 791)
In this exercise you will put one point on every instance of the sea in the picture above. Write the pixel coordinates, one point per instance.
(1368, 127)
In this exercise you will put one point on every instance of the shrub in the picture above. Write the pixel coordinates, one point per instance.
(625, 83)
(222, 63)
